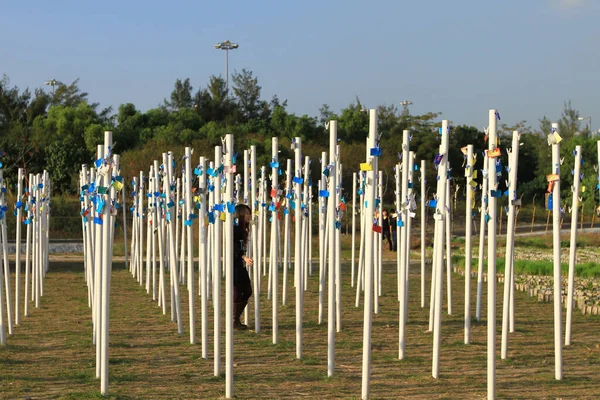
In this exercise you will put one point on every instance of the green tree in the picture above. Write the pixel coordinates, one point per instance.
(181, 96)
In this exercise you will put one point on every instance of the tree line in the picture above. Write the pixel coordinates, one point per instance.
(59, 129)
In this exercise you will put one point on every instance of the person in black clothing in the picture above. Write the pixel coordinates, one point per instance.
(386, 229)
(242, 288)
(393, 224)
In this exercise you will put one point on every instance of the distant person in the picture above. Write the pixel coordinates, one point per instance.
(387, 229)
(242, 288)
(393, 224)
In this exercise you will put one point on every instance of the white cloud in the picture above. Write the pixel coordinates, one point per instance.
(569, 4)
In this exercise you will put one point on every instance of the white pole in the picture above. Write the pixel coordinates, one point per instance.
(297, 248)
(337, 243)
(492, 212)
(216, 267)
(28, 263)
(323, 193)
(331, 269)
(353, 226)
(448, 232)
(187, 217)
(97, 260)
(398, 229)
(469, 168)
(287, 258)
(141, 229)
(4, 243)
(228, 259)
(513, 159)
(361, 248)
(202, 262)
(573, 247)
(481, 253)
(106, 266)
(171, 226)
(438, 257)
(18, 245)
(2, 322)
(556, 251)
(403, 248)
(423, 226)
(369, 208)
(274, 233)
(255, 248)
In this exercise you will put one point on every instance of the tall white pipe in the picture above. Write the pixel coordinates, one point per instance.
(297, 248)
(556, 252)
(423, 226)
(202, 261)
(274, 235)
(403, 244)
(469, 168)
(513, 159)
(438, 257)
(352, 256)
(18, 246)
(287, 258)
(106, 267)
(228, 259)
(322, 232)
(481, 252)
(255, 248)
(216, 267)
(573, 246)
(331, 269)
(369, 207)
(492, 222)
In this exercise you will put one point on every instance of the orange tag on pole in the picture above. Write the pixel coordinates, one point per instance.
(494, 153)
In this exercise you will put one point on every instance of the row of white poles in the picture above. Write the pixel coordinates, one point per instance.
(32, 210)
(215, 199)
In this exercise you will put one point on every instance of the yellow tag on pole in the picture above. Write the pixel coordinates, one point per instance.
(222, 216)
(117, 185)
(583, 189)
(366, 167)
(474, 174)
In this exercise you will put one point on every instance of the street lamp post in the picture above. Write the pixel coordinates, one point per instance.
(226, 45)
(405, 105)
(585, 118)
(53, 83)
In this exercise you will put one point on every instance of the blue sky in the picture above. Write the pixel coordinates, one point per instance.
(523, 57)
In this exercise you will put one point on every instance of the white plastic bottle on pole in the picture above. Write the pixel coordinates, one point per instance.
(573, 246)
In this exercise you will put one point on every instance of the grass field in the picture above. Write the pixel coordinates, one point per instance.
(51, 356)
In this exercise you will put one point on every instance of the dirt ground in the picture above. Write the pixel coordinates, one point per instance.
(51, 356)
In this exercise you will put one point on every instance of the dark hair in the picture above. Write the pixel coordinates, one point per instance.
(243, 215)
